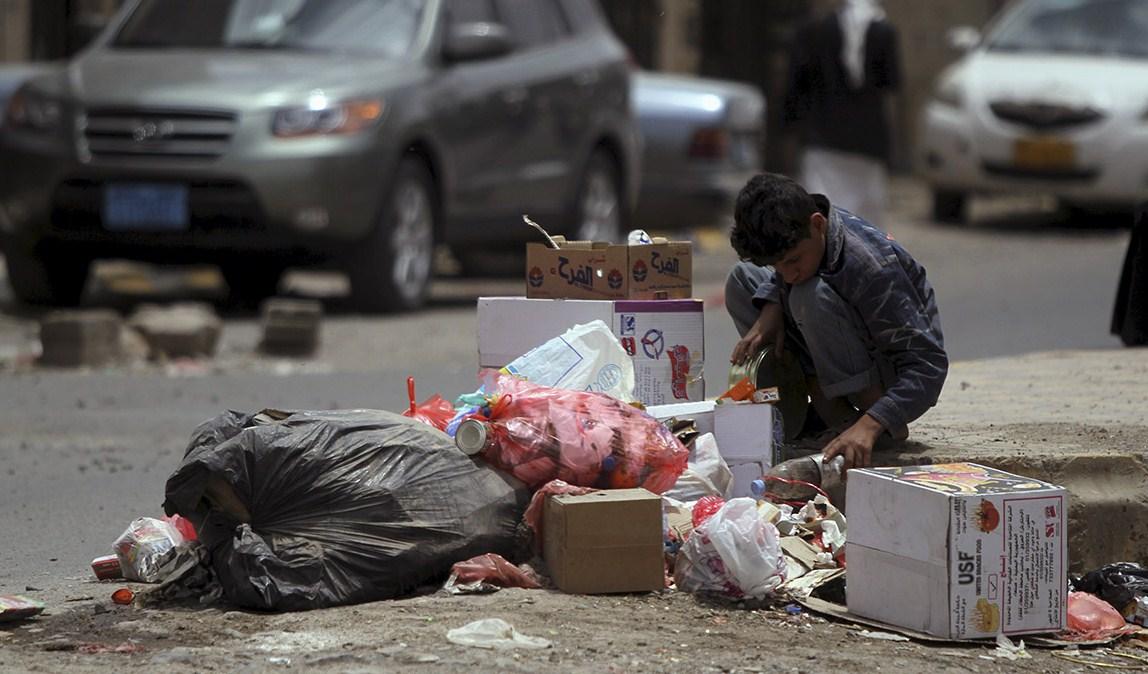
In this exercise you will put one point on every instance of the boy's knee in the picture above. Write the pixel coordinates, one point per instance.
(814, 298)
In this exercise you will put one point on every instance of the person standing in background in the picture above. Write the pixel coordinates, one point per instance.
(843, 70)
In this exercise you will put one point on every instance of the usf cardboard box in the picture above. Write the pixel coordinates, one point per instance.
(665, 338)
(958, 551)
(605, 541)
(605, 271)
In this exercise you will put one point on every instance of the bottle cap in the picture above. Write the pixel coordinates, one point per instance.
(472, 436)
(757, 488)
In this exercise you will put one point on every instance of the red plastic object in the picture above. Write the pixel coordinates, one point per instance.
(493, 569)
(123, 596)
(183, 526)
(434, 411)
(583, 438)
(107, 567)
(1091, 617)
(705, 507)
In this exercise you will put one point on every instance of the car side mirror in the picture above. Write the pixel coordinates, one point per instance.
(964, 38)
(476, 42)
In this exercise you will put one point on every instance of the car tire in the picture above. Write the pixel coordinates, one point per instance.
(52, 280)
(950, 206)
(599, 207)
(250, 282)
(392, 269)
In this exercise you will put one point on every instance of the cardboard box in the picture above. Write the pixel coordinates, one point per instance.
(958, 551)
(605, 541)
(744, 473)
(665, 338)
(702, 412)
(599, 270)
(745, 431)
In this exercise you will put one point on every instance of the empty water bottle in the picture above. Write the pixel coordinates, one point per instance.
(796, 479)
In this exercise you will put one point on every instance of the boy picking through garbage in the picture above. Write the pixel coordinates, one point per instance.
(852, 304)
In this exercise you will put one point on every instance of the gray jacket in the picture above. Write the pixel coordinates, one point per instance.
(888, 288)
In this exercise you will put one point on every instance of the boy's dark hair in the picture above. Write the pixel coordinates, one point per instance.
(770, 218)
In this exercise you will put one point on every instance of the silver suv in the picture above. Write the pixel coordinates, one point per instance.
(261, 134)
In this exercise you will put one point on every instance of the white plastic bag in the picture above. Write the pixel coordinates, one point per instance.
(707, 473)
(586, 357)
(734, 553)
(494, 634)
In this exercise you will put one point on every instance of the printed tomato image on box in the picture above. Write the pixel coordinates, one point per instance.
(973, 551)
(667, 341)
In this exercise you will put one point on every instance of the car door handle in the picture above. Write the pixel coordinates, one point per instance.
(587, 78)
(514, 97)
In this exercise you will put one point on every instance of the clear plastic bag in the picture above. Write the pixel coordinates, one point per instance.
(734, 553)
(146, 549)
(586, 439)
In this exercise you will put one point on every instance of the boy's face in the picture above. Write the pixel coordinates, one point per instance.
(800, 263)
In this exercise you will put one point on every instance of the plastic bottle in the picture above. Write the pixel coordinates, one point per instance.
(809, 469)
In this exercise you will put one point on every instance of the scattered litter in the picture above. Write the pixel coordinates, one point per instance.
(147, 550)
(1007, 650)
(126, 648)
(734, 554)
(123, 596)
(793, 609)
(107, 567)
(882, 636)
(280, 661)
(1090, 617)
(1093, 659)
(489, 573)
(18, 607)
(495, 634)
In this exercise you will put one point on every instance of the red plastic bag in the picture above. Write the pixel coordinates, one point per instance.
(183, 526)
(493, 569)
(434, 411)
(1090, 617)
(586, 439)
(704, 508)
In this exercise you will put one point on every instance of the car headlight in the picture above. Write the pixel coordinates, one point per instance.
(949, 92)
(324, 117)
(29, 110)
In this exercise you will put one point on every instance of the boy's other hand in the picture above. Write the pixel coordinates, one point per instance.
(769, 328)
(855, 443)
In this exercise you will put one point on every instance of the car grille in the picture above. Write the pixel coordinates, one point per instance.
(184, 134)
(213, 205)
(1045, 116)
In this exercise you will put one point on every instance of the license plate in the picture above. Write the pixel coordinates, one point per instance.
(1044, 153)
(145, 207)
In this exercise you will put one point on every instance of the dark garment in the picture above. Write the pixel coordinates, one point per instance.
(893, 299)
(1130, 315)
(820, 100)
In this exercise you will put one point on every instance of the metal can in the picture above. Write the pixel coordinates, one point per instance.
(767, 371)
(474, 437)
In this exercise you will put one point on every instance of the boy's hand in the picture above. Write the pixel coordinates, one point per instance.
(768, 328)
(855, 443)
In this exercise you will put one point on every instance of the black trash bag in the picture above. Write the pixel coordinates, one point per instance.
(1119, 584)
(304, 510)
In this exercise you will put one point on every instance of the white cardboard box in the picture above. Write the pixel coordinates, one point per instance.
(702, 412)
(744, 473)
(665, 338)
(957, 550)
(744, 431)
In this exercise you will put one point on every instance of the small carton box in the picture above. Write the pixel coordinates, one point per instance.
(604, 271)
(959, 551)
(744, 431)
(605, 541)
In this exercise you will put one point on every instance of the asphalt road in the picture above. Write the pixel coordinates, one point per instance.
(82, 453)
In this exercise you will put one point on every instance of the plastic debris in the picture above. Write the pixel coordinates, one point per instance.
(883, 636)
(489, 573)
(734, 554)
(1007, 650)
(1090, 617)
(123, 596)
(18, 607)
(494, 634)
(147, 548)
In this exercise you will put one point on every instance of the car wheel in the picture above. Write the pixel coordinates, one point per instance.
(599, 209)
(950, 206)
(50, 280)
(392, 269)
(250, 282)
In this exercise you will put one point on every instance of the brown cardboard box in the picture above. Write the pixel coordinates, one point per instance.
(603, 271)
(605, 541)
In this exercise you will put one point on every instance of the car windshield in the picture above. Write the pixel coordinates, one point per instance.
(385, 27)
(1101, 27)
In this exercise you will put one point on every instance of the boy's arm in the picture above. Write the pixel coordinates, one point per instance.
(905, 328)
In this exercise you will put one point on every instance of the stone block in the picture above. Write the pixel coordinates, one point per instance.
(85, 338)
(182, 330)
(291, 326)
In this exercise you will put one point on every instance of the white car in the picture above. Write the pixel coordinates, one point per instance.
(1053, 101)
